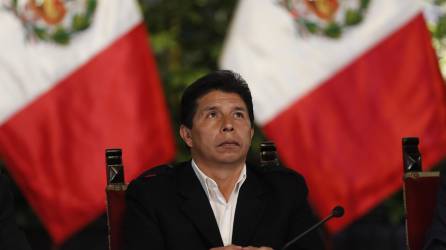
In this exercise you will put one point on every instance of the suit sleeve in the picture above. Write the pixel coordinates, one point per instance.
(11, 238)
(141, 230)
(303, 219)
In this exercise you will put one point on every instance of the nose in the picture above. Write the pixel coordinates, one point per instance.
(227, 125)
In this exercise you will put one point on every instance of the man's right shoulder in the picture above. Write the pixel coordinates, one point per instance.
(158, 171)
(158, 176)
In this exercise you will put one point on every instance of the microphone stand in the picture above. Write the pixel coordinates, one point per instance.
(336, 212)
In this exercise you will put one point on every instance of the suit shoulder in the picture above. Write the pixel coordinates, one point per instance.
(157, 176)
(276, 171)
(280, 175)
(157, 171)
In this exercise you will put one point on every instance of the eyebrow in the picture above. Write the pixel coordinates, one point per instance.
(241, 108)
(237, 108)
(208, 108)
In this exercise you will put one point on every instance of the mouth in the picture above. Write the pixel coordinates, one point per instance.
(229, 144)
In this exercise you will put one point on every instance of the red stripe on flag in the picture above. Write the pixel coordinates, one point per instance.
(54, 148)
(345, 136)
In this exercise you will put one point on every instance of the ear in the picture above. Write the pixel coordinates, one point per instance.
(252, 133)
(186, 135)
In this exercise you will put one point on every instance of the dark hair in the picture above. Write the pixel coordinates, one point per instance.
(223, 80)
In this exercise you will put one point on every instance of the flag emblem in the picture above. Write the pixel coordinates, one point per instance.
(329, 18)
(52, 20)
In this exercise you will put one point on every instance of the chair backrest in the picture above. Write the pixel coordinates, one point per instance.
(115, 215)
(420, 197)
(115, 194)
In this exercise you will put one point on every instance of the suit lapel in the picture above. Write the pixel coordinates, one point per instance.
(196, 206)
(249, 210)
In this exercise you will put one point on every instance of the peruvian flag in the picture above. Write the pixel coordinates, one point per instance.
(77, 77)
(336, 85)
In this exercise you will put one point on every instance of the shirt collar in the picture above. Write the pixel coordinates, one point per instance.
(206, 181)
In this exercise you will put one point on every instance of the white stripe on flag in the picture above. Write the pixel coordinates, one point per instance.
(264, 47)
(29, 69)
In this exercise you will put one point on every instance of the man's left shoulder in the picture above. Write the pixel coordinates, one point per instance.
(278, 175)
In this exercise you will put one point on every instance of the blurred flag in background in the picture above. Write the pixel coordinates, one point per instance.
(336, 85)
(77, 77)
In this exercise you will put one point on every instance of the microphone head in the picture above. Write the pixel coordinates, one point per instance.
(338, 211)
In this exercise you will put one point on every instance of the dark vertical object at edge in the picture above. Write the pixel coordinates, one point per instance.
(115, 169)
(268, 154)
(411, 155)
(115, 191)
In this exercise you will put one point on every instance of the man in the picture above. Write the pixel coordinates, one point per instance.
(436, 239)
(11, 238)
(215, 201)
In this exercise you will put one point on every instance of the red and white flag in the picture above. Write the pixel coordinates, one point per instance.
(77, 77)
(336, 85)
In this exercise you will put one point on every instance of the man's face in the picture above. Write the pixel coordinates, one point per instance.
(221, 132)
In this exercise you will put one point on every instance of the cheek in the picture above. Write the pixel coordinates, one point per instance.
(201, 136)
(247, 135)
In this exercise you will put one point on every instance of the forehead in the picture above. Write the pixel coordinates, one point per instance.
(217, 98)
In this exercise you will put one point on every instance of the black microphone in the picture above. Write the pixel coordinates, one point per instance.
(337, 212)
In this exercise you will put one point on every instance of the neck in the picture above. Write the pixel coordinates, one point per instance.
(225, 175)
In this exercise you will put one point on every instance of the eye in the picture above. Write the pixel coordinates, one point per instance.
(212, 114)
(239, 114)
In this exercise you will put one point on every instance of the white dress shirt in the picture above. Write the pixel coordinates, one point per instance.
(224, 211)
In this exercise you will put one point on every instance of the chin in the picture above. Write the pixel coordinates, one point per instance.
(231, 159)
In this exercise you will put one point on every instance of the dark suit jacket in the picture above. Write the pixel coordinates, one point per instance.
(11, 238)
(167, 209)
(436, 239)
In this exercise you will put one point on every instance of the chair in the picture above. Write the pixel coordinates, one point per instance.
(115, 195)
(420, 197)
